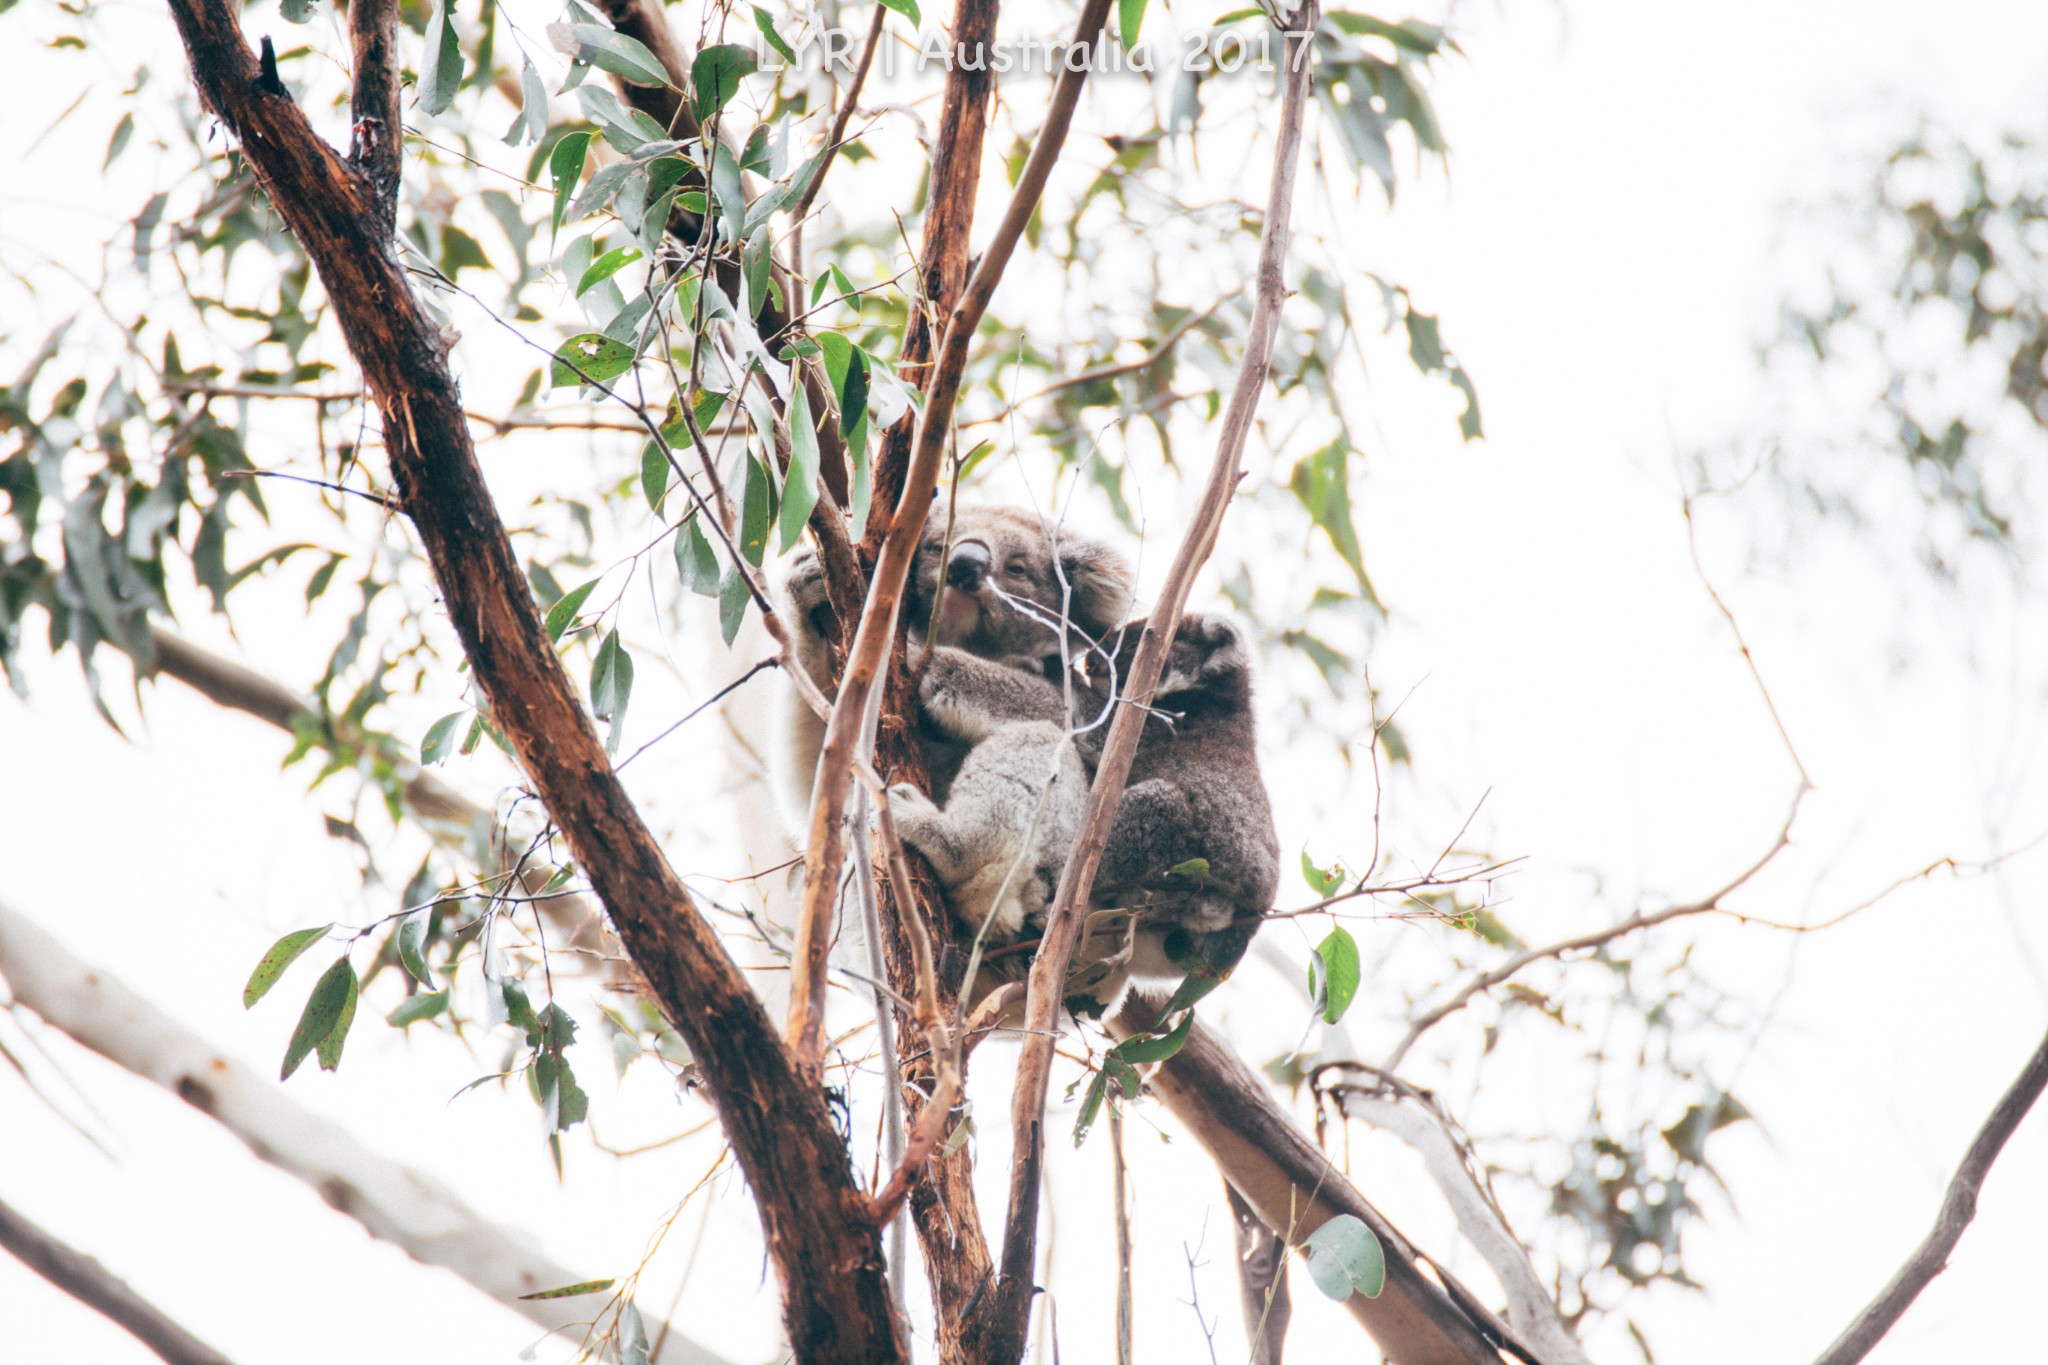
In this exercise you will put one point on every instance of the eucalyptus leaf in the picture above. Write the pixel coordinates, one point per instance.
(1345, 1258)
(412, 945)
(625, 57)
(332, 993)
(439, 739)
(441, 73)
(276, 958)
(1333, 974)
(800, 487)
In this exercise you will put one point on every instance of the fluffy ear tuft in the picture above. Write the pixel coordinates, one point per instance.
(1100, 582)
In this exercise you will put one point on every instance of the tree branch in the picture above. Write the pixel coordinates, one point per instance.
(1958, 1207)
(93, 1285)
(377, 138)
(1424, 1316)
(1064, 921)
(872, 641)
(397, 1204)
(1261, 1281)
(815, 1220)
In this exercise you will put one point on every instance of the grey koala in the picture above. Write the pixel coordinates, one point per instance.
(994, 716)
(1194, 792)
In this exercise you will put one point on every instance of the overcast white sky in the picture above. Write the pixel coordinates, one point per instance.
(1602, 255)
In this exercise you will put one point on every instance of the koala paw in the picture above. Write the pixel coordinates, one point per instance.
(907, 803)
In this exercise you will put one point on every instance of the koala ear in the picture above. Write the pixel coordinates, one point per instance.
(1099, 581)
(1223, 644)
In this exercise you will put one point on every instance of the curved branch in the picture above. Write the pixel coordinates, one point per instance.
(815, 1219)
(99, 1289)
(1063, 925)
(1958, 1207)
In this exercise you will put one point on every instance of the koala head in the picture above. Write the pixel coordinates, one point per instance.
(1008, 578)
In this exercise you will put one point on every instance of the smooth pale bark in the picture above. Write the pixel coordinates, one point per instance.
(394, 1203)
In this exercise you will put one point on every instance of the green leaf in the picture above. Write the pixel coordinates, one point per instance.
(1130, 16)
(1193, 987)
(696, 561)
(565, 168)
(532, 123)
(440, 736)
(754, 267)
(733, 597)
(564, 611)
(1333, 974)
(412, 945)
(800, 487)
(589, 358)
(654, 473)
(611, 686)
(1344, 1257)
(766, 23)
(1091, 1105)
(715, 77)
(628, 58)
(417, 1009)
(570, 1291)
(1155, 1047)
(1468, 421)
(329, 1048)
(1195, 869)
(606, 266)
(753, 541)
(441, 73)
(1324, 884)
(906, 8)
(333, 992)
(1322, 482)
(1425, 343)
(276, 958)
(118, 143)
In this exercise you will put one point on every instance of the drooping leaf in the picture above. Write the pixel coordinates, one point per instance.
(332, 993)
(1322, 482)
(441, 73)
(329, 1048)
(800, 487)
(276, 958)
(531, 125)
(1345, 1258)
(753, 539)
(1091, 1105)
(906, 8)
(611, 686)
(606, 266)
(696, 561)
(1333, 974)
(766, 23)
(412, 945)
(1130, 16)
(565, 168)
(1194, 869)
(653, 474)
(733, 597)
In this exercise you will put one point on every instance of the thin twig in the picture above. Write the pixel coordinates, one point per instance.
(1070, 903)
(1958, 1207)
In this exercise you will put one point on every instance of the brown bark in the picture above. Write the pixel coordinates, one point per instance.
(1010, 1316)
(99, 1289)
(1261, 1281)
(1422, 1317)
(819, 1233)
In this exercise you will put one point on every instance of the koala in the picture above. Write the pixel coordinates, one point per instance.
(996, 619)
(1014, 805)
(1194, 792)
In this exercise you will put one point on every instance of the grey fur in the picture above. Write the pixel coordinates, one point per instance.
(1194, 792)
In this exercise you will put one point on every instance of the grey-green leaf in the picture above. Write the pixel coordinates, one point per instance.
(800, 488)
(611, 685)
(570, 1291)
(441, 73)
(440, 738)
(628, 58)
(412, 945)
(276, 958)
(591, 358)
(696, 561)
(334, 990)
(753, 541)
(328, 1049)
(1344, 1257)
(906, 8)
(416, 1009)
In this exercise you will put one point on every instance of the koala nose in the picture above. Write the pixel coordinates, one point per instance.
(967, 567)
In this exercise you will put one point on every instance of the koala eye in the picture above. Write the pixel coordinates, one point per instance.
(1016, 568)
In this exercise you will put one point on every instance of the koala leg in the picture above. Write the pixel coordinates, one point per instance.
(1152, 835)
(969, 697)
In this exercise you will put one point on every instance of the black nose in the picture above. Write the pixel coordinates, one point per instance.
(967, 566)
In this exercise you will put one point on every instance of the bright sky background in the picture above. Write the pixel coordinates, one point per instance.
(1605, 253)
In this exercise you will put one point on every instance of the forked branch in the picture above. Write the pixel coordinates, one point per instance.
(1011, 1313)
